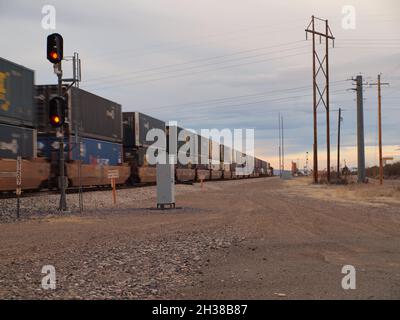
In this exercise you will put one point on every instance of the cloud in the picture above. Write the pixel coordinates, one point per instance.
(178, 42)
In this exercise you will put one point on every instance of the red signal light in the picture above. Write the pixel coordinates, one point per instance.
(55, 48)
(57, 112)
(56, 119)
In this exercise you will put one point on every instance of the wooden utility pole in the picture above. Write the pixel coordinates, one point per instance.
(379, 84)
(320, 65)
(338, 145)
(328, 130)
(380, 130)
(283, 147)
(315, 145)
(280, 146)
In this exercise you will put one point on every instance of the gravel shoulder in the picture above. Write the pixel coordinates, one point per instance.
(245, 239)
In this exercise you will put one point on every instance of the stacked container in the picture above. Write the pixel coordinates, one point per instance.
(92, 133)
(17, 113)
(226, 161)
(187, 154)
(97, 120)
(17, 129)
(203, 168)
(137, 147)
(215, 160)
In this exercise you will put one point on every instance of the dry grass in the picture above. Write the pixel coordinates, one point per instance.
(370, 193)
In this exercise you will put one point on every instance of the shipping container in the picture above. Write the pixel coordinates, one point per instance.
(136, 125)
(188, 149)
(215, 154)
(16, 94)
(239, 158)
(17, 141)
(140, 156)
(90, 151)
(204, 152)
(186, 146)
(95, 117)
(226, 155)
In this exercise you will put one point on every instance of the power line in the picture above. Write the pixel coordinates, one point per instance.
(133, 74)
(222, 100)
(275, 101)
(199, 72)
(205, 37)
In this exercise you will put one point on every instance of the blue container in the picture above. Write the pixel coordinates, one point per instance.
(92, 151)
(16, 95)
(17, 141)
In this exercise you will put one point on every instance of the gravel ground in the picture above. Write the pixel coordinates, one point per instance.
(246, 239)
(124, 269)
(45, 205)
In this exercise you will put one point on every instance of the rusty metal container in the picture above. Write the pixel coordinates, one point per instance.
(146, 174)
(94, 175)
(184, 174)
(227, 174)
(202, 174)
(34, 174)
(216, 174)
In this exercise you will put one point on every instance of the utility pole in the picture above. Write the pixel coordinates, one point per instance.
(280, 145)
(380, 130)
(283, 147)
(338, 146)
(323, 96)
(328, 130)
(360, 130)
(379, 84)
(306, 166)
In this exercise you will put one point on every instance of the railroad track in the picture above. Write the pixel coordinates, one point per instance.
(74, 190)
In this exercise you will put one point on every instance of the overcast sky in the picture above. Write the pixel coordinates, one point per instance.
(223, 63)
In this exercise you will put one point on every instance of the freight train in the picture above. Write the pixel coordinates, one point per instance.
(98, 137)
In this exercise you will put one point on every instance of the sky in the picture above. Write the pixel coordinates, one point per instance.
(225, 64)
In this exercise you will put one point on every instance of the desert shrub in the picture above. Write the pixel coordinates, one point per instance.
(391, 170)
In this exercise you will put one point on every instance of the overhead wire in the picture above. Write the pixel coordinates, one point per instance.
(198, 72)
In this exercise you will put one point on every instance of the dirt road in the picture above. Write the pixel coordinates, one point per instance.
(260, 238)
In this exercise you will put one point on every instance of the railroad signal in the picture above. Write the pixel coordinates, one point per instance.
(55, 48)
(57, 112)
